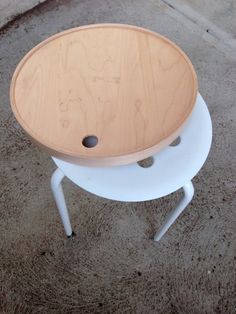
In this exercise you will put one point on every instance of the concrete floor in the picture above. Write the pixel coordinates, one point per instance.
(112, 266)
(9, 9)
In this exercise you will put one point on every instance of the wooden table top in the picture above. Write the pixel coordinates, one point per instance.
(105, 94)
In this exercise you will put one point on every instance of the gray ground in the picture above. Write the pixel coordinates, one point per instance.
(12, 8)
(112, 266)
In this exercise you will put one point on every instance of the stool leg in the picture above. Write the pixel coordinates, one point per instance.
(58, 194)
(174, 214)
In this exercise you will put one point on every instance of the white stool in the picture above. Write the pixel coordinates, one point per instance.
(173, 168)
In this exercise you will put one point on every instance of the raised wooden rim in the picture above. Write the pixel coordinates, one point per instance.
(99, 160)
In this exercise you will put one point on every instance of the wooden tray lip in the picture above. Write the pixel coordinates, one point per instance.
(58, 151)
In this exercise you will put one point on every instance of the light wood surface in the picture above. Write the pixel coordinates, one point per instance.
(130, 88)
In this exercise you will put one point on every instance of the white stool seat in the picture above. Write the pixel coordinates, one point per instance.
(172, 167)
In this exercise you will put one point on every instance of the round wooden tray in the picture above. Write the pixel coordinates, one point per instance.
(105, 94)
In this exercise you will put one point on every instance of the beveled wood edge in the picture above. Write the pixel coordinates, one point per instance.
(98, 160)
(111, 161)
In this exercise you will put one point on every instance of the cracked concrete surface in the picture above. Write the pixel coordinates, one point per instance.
(112, 266)
(217, 23)
(9, 9)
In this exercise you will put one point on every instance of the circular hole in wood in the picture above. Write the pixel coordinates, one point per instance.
(90, 141)
(176, 141)
(146, 163)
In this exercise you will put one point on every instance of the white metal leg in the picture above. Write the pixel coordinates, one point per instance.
(174, 214)
(58, 194)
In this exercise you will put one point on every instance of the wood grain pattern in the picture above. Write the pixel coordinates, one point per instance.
(131, 88)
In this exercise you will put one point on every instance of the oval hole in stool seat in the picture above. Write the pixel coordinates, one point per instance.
(146, 163)
(176, 141)
(90, 141)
